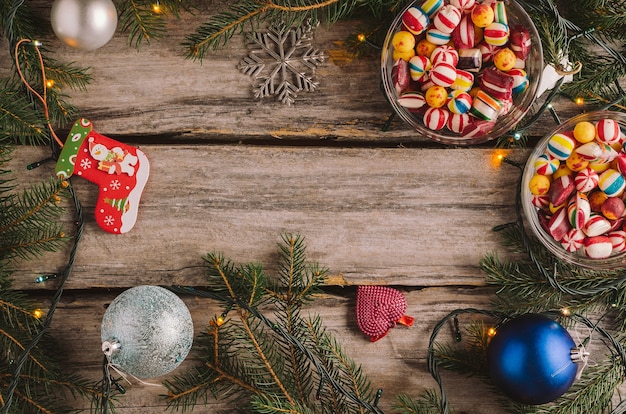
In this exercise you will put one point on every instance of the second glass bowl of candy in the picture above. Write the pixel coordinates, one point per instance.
(573, 190)
(461, 71)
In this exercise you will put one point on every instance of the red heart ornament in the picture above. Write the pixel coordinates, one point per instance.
(378, 309)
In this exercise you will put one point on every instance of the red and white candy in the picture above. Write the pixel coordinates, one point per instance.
(596, 225)
(458, 122)
(607, 131)
(447, 18)
(463, 5)
(618, 240)
(443, 74)
(520, 42)
(412, 100)
(586, 180)
(573, 240)
(464, 36)
(445, 54)
(598, 247)
(436, 118)
(415, 20)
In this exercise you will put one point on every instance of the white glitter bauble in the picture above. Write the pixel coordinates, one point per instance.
(148, 331)
(84, 24)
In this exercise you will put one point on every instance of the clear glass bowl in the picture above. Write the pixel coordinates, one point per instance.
(504, 123)
(616, 260)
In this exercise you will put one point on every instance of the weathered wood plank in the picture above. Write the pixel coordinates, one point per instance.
(156, 92)
(399, 216)
(396, 363)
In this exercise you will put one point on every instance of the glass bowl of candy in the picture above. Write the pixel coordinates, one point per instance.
(573, 190)
(462, 72)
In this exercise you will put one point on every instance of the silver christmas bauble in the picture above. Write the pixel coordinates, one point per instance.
(84, 24)
(147, 331)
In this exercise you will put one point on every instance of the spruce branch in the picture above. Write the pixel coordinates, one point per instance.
(145, 20)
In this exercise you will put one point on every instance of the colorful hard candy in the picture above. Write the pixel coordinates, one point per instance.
(447, 18)
(573, 240)
(496, 34)
(436, 118)
(436, 96)
(541, 201)
(586, 180)
(443, 74)
(578, 211)
(558, 225)
(418, 66)
(458, 122)
(425, 48)
(497, 84)
(576, 162)
(545, 164)
(561, 145)
(470, 60)
(412, 100)
(464, 35)
(430, 7)
(400, 75)
(464, 80)
(403, 55)
(584, 132)
(597, 152)
(403, 41)
(561, 189)
(613, 208)
(459, 102)
(415, 20)
(485, 107)
(612, 182)
(520, 80)
(539, 185)
(437, 37)
(608, 131)
(465, 5)
(504, 59)
(596, 225)
(598, 247)
(445, 54)
(499, 12)
(482, 15)
(596, 199)
(618, 240)
(488, 51)
(520, 41)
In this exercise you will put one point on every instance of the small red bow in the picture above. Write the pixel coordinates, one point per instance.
(378, 309)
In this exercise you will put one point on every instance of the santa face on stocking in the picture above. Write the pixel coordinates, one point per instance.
(121, 171)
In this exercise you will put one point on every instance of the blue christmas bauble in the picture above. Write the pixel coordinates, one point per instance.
(147, 331)
(529, 359)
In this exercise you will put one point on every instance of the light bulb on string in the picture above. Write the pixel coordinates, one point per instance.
(156, 8)
(579, 100)
(37, 313)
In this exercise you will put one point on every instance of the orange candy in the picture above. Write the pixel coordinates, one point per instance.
(504, 59)
(482, 15)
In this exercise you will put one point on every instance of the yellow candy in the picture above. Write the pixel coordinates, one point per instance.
(403, 55)
(436, 96)
(539, 184)
(553, 209)
(482, 15)
(504, 59)
(584, 132)
(561, 171)
(576, 163)
(403, 41)
(597, 167)
(425, 48)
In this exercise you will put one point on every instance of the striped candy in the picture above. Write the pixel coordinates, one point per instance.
(464, 5)
(520, 80)
(573, 240)
(499, 12)
(596, 225)
(458, 122)
(520, 42)
(599, 247)
(496, 34)
(445, 53)
(431, 7)
(618, 240)
(443, 74)
(597, 152)
(464, 80)
(415, 20)
(586, 180)
(459, 102)
(608, 131)
(464, 36)
(560, 146)
(542, 202)
(545, 164)
(496, 83)
(578, 211)
(447, 18)
(558, 226)
(437, 37)
(436, 118)
(485, 107)
(488, 51)
(612, 182)
(418, 65)
(412, 100)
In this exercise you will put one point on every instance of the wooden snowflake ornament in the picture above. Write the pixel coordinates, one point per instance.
(283, 62)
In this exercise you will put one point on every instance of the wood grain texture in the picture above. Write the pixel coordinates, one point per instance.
(411, 217)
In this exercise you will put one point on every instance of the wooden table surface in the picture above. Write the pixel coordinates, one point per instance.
(230, 173)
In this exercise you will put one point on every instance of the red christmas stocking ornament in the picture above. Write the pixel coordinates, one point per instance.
(378, 309)
(120, 170)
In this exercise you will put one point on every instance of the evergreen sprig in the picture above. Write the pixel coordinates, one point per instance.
(146, 20)
(291, 363)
